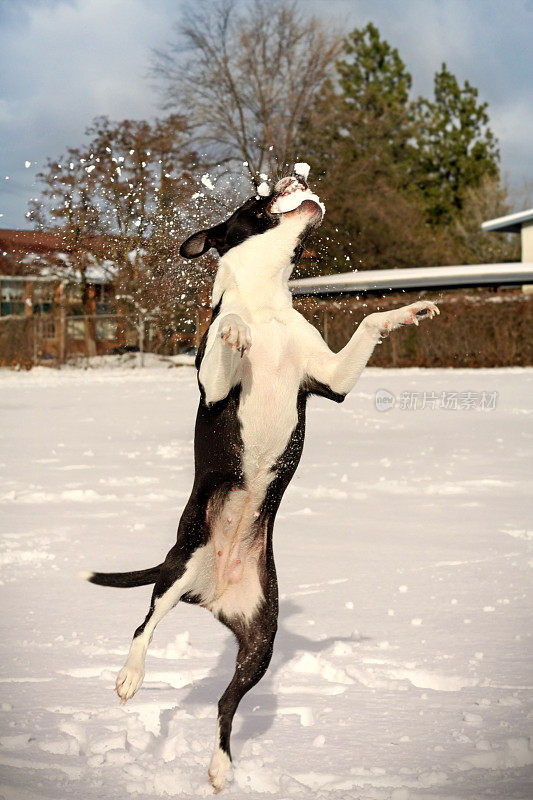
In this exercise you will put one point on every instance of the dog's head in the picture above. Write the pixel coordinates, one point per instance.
(290, 207)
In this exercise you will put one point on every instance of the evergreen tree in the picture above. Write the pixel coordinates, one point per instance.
(360, 140)
(373, 77)
(375, 86)
(457, 149)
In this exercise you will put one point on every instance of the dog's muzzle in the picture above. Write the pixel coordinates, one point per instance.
(291, 193)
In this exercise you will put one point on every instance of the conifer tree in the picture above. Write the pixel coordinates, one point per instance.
(457, 149)
(360, 138)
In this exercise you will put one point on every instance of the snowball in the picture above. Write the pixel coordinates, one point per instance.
(263, 189)
(206, 180)
(302, 169)
(27, 164)
(263, 176)
(294, 199)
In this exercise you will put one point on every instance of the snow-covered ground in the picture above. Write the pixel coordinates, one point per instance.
(402, 666)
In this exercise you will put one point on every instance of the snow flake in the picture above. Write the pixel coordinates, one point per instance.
(206, 180)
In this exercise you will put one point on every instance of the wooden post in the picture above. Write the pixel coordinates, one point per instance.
(28, 298)
(34, 322)
(62, 348)
(202, 314)
(140, 334)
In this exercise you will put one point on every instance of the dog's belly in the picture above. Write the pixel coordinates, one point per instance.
(221, 592)
(232, 561)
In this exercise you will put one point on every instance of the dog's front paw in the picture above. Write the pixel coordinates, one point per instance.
(235, 332)
(218, 769)
(129, 680)
(411, 315)
(387, 321)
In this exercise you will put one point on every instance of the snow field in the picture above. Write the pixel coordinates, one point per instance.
(402, 665)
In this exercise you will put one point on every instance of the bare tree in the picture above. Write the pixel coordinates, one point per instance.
(244, 78)
(124, 202)
(67, 205)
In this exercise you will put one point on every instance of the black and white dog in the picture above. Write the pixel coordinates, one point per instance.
(257, 364)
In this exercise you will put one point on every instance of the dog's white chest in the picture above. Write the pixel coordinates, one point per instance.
(268, 403)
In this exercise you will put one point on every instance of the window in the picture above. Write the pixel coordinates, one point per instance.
(104, 299)
(12, 297)
(76, 328)
(106, 330)
(73, 293)
(104, 308)
(46, 328)
(43, 297)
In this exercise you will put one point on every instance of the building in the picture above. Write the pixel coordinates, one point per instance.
(434, 278)
(41, 310)
(522, 223)
(380, 281)
(45, 319)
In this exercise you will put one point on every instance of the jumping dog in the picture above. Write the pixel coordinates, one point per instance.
(257, 364)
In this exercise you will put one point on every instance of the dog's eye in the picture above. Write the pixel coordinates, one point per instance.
(260, 213)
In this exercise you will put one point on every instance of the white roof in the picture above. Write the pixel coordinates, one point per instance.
(416, 278)
(511, 223)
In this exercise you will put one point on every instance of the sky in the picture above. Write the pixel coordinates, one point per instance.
(63, 62)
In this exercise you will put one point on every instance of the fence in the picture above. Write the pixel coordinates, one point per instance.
(16, 342)
(476, 328)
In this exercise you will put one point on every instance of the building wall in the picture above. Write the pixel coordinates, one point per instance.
(527, 242)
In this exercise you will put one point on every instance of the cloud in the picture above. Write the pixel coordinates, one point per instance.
(64, 62)
(513, 122)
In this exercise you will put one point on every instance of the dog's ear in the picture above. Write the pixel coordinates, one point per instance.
(197, 244)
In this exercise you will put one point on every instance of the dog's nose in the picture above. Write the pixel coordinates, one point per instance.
(286, 184)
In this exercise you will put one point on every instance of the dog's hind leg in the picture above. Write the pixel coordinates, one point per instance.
(174, 580)
(256, 640)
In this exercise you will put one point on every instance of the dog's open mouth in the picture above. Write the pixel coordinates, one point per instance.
(291, 193)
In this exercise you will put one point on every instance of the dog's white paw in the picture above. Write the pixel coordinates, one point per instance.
(218, 769)
(236, 333)
(387, 321)
(129, 680)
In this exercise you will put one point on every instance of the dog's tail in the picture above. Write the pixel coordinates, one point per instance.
(123, 580)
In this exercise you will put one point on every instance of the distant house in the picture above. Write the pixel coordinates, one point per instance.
(32, 266)
(522, 223)
(39, 285)
(42, 313)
